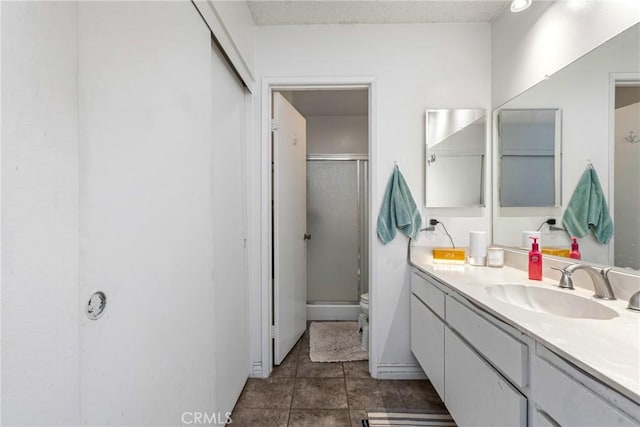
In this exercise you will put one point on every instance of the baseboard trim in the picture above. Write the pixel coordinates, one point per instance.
(400, 371)
(257, 369)
(332, 312)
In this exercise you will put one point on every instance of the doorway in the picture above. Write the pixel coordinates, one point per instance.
(337, 195)
(337, 208)
(626, 174)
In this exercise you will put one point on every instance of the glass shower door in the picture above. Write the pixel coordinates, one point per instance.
(334, 221)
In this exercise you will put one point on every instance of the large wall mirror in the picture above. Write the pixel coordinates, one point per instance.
(596, 104)
(455, 158)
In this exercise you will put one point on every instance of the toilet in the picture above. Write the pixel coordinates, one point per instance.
(363, 321)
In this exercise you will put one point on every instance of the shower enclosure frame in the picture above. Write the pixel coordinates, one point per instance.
(349, 310)
(261, 338)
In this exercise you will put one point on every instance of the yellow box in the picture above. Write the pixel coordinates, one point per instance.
(556, 251)
(457, 255)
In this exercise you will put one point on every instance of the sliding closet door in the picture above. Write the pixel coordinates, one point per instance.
(146, 213)
(229, 228)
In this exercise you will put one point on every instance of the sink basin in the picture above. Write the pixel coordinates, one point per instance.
(558, 302)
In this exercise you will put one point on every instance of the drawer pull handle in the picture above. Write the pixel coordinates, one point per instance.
(544, 414)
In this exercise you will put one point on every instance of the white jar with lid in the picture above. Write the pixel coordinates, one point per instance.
(495, 256)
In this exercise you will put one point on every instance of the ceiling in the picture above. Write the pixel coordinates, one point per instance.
(350, 102)
(300, 12)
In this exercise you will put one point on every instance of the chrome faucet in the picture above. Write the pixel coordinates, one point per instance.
(599, 279)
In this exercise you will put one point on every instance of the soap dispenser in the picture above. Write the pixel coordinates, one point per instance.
(535, 261)
(575, 250)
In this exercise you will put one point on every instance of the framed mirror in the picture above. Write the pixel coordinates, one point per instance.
(455, 158)
(530, 157)
(599, 99)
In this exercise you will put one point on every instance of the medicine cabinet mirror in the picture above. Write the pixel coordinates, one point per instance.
(529, 167)
(455, 158)
(595, 102)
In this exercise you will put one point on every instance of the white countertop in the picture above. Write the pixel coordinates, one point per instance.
(607, 349)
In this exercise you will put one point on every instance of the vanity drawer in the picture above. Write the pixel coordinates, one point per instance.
(567, 402)
(500, 348)
(427, 343)
(475, 393)
(428, 293)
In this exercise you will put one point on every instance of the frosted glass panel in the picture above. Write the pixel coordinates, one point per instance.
(332, 221)
(527, 181)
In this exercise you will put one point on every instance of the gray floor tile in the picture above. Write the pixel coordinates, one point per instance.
(319, 393)
(319, 417)
(304, 351)
(358, 369)
(271, 393)
(357, 415)
(367, 393)
(309, 369)
(260, 417)
(419, 394)
(287, 368)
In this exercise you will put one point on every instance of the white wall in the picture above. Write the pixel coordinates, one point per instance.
(337, 134)
(40, 312)
(528, 45)
(416, 67)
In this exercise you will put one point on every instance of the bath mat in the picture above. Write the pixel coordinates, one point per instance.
(335, 342)
(404, 417)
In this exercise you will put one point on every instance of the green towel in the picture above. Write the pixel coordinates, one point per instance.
(398, 210)
(587, 210)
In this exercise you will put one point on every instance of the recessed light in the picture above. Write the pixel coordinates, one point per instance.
(520, 5)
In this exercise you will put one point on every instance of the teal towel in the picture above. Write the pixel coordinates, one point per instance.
(398, 210)
(587, 210)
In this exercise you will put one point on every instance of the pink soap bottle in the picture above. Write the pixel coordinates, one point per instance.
(535, 261)
(575, 250)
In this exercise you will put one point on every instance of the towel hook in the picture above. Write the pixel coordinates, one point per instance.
(589, 164)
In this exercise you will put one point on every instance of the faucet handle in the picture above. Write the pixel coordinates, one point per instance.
(565, 281)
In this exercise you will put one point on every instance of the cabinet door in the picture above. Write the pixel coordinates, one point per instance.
(505, 352)
(427, 343)
(569, 402)
(428, 293)
(475, 394)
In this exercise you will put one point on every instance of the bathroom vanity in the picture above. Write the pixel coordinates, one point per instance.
(496, 361)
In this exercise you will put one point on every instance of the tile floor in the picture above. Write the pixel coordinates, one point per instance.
(300, 392)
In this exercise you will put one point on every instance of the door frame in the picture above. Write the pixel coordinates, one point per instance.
(270, 85)
(615, 79)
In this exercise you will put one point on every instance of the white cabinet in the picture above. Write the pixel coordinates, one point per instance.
(427, 329)
(474, 391)
(562, 400)
(429, 293)
(491, 374)
(497, 346)
(476, 394)
(427, 342)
